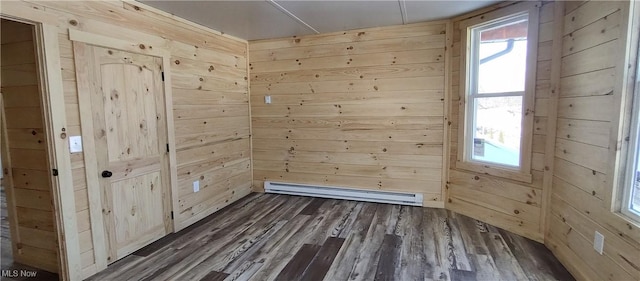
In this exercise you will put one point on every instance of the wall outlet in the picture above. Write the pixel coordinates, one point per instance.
(598, 242)
(267, 99)
(196, 186)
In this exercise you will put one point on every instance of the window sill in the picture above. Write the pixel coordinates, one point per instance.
(632, 221)
(496, 171)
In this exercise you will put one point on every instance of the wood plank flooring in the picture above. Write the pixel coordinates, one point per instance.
(278, 237)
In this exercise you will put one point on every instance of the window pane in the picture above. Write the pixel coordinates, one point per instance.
(497, 130)
(502, 57)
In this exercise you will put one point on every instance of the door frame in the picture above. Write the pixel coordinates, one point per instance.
(58, 157)
(95, 201)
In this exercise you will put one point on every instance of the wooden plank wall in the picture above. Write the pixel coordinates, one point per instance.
(210, 101)
(361, 109)
(593, 42)
(36, 236)
(512, 205)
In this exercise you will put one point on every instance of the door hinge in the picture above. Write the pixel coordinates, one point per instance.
(55, 172)
(162, 73)
(167, 147)
(171, 214)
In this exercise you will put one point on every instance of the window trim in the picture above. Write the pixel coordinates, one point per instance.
(626, 85)
(523, 172)
(632, 148)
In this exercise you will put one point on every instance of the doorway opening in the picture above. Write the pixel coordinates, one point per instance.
(29, 239)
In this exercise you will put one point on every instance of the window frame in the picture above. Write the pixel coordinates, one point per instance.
(632, 149)
(465, 134)
(627, 87)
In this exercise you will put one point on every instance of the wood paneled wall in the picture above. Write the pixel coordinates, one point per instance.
(512, 205)
(367, 109)
(588, 102)
(34, 237)
(361, 109)
(210, 101)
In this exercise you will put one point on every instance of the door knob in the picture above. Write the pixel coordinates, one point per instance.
(106, 174)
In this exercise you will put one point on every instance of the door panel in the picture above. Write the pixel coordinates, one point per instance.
(137, 202)
(127, 102)
(129, 111)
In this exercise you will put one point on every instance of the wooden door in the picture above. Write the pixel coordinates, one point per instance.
(129, 127)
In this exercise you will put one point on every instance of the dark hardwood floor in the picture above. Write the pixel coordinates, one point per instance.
(278, 237)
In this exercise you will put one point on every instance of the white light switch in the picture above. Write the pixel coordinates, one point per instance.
(267, 99)
(196, 186)
(75, 144)
(598, 242)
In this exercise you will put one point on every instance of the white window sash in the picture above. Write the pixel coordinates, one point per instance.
(473, 94)
(468, 90)
(496, 95)
(472, 120)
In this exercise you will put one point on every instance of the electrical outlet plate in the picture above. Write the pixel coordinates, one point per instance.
(75, 144)
(267, 99)
(598, 242)
(196, 186)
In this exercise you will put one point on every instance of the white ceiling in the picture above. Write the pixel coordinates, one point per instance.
(254, 20)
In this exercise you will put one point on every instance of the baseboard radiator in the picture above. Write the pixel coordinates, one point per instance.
(390, 197)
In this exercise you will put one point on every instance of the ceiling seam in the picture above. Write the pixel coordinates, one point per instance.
(403, 11)
(291, 15)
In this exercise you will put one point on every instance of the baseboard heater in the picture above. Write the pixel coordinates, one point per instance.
(390, 197)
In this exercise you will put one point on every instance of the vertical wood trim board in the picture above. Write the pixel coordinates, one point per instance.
(552, 119)
(83, 66)
(254, 187)
(360, 109)
(55, 124)
(446, 150)
(530, 100)
(171, 133)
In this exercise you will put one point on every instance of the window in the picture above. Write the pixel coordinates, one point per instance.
(498, 67)
(499, 83)
(631, 196)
